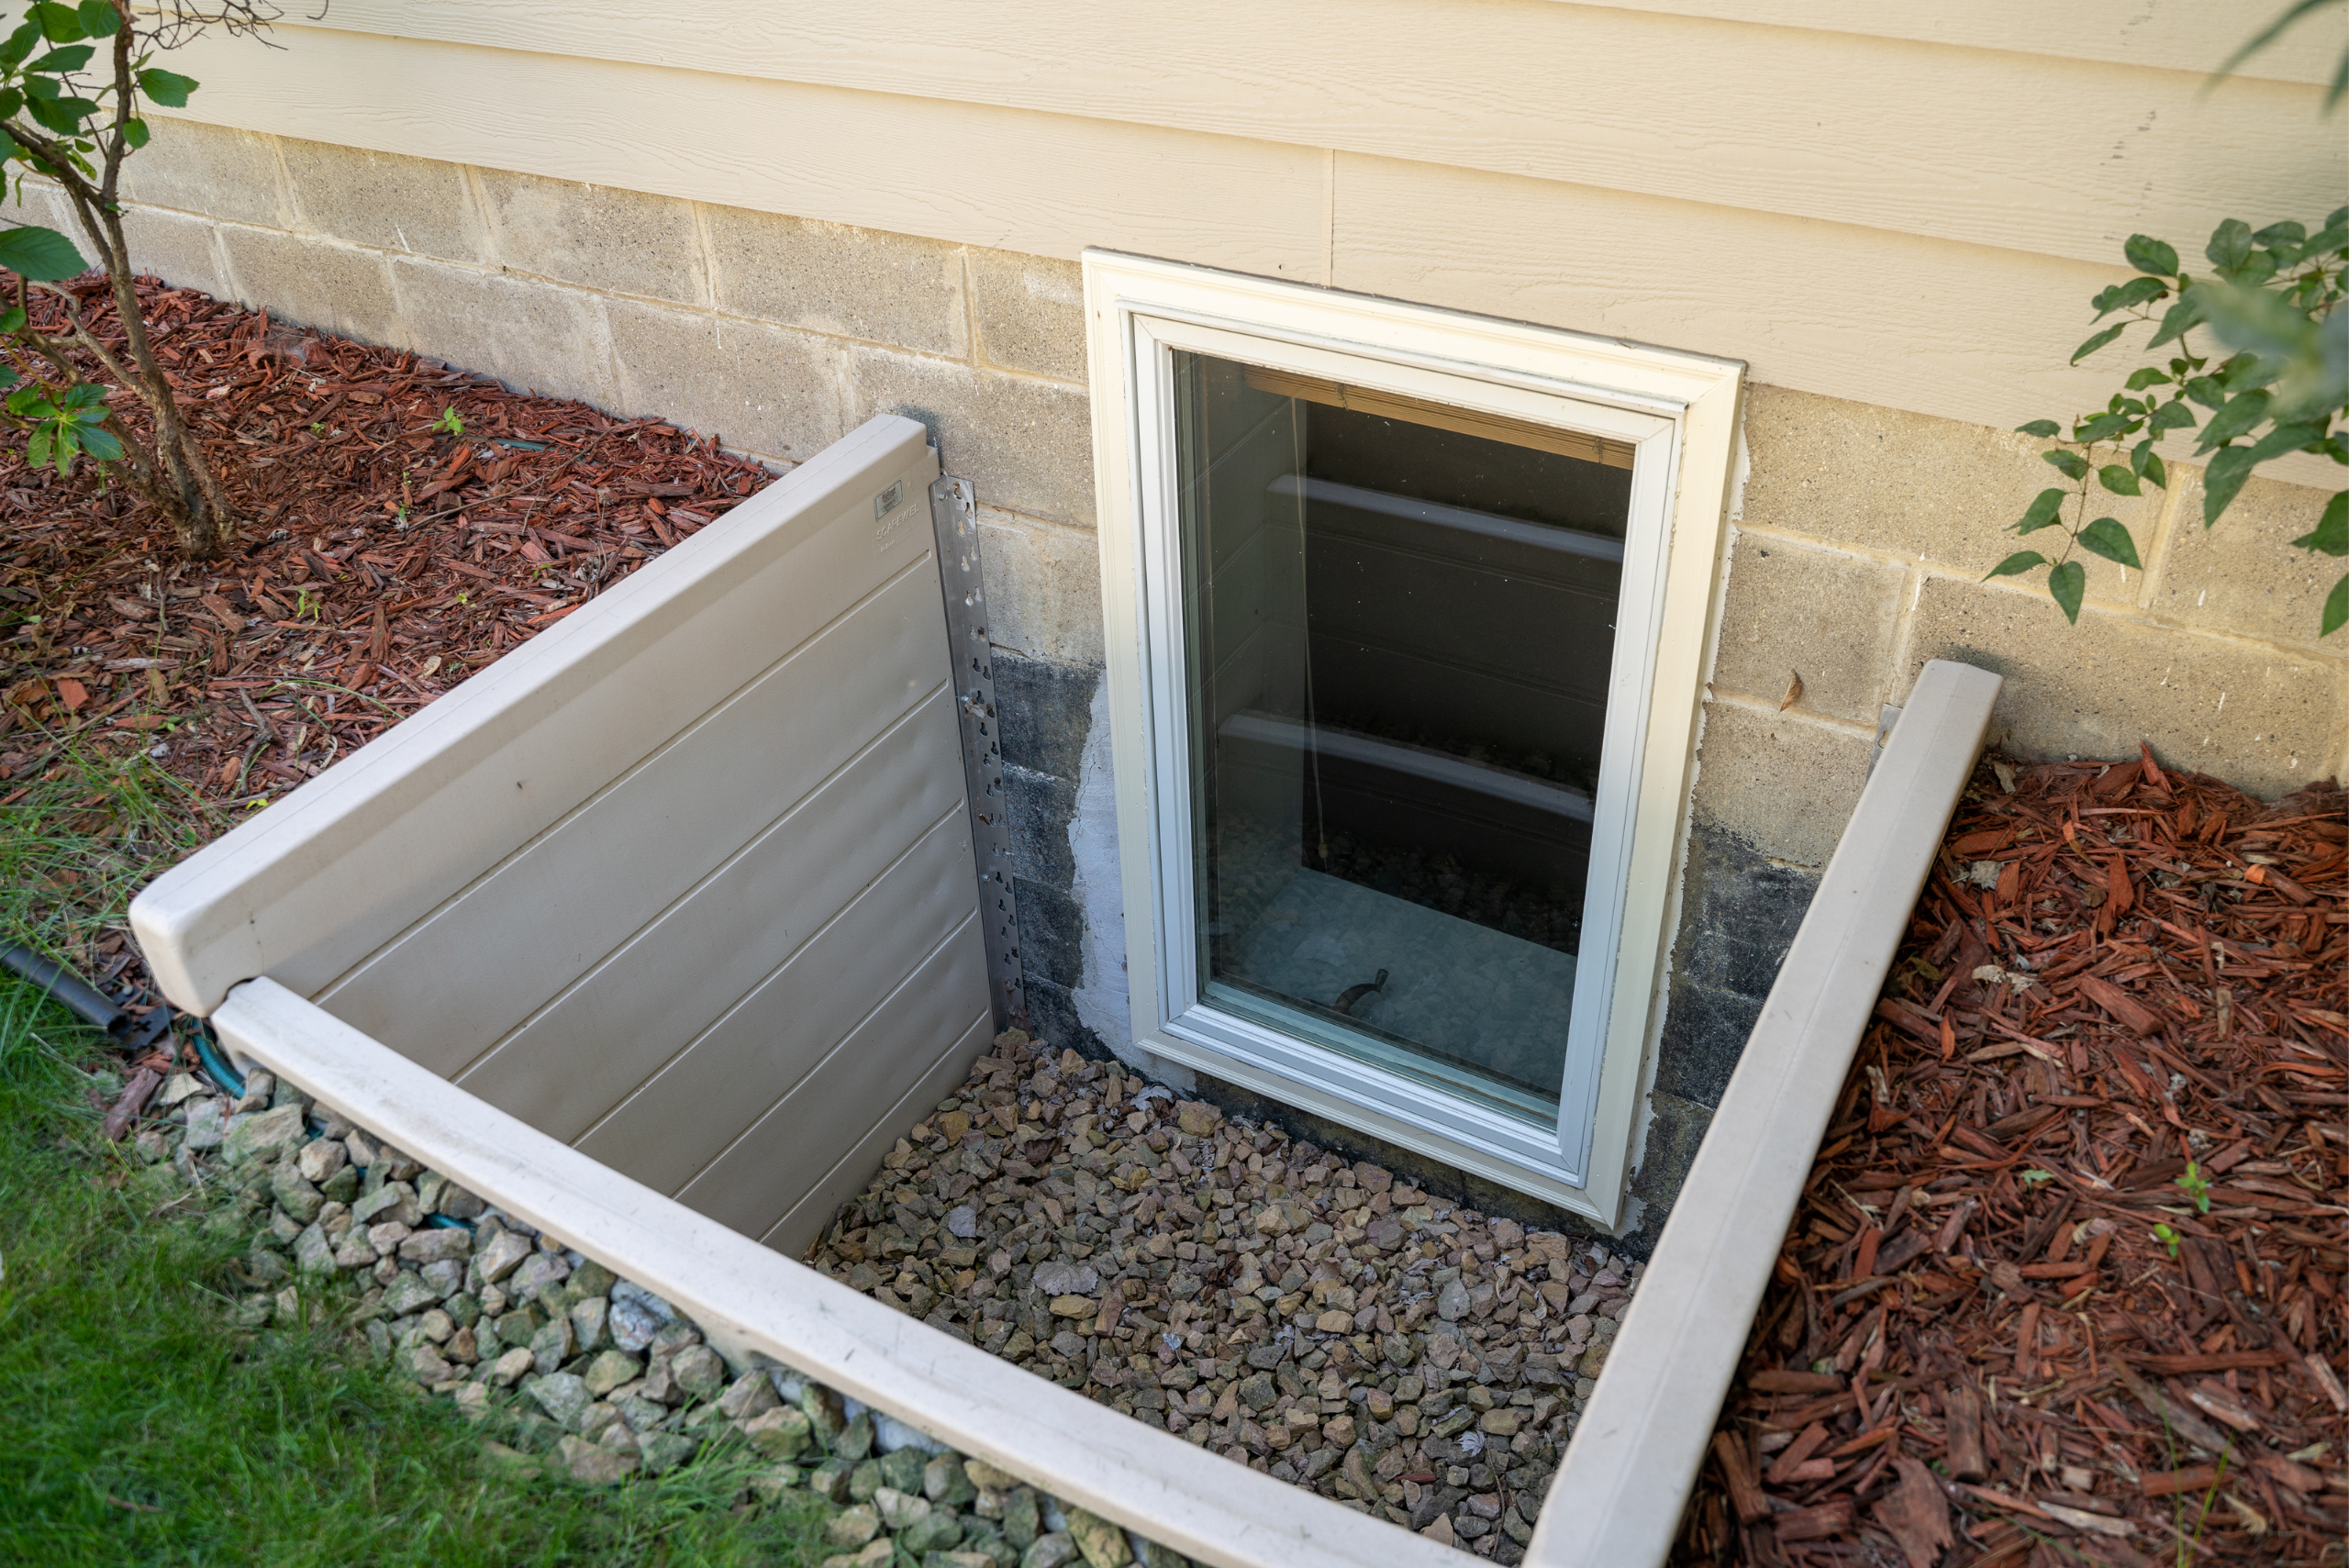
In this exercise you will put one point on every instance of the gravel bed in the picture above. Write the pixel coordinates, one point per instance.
(1315, 1319)
(570, 1371)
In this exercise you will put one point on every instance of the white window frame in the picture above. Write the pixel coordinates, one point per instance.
(1679, 411)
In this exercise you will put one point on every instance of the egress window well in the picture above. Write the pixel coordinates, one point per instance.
(1407, 610)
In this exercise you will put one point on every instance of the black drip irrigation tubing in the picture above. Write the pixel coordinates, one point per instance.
(131, 1030)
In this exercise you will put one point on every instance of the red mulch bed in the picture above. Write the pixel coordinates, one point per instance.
(383, 557)
(1980, 1345)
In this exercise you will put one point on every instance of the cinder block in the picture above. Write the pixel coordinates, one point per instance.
(39, 204)
(2243, 574)
(1782, 782)
(418, 207)
(1030, 312)
(1937, 490)
(1026, 445)
(597, 236)
(2264, 719)
(338, 288)
(1675, 1128)
(759, 388)
(1044, 588)
(1739, 913)
(213, 170)
(828, 277)
(1832, 618)
(177, 247)
(537, 335)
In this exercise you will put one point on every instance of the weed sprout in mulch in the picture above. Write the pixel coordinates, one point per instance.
(2065, 1285)
(405, 524)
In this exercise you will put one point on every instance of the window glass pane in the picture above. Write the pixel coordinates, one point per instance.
(1399, 620)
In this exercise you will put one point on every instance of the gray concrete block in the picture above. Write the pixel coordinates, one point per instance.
(1039, 808)
(529, 334)
(39, 204)
(1782, 782)
(1026, 445)
(1053, 1018)
(596, 236)
(419, 206)
(865, 283)
(1046, 711)
(1740, 911)
(761, 389)
(178, 248)
(1028, 313)
(2263, 719)
(1910, 484)
(1043, 588)
(1830, 616)
(215, 171)
(2242, 575)
(337, 288)
(1052, 934)
(1675, 1130)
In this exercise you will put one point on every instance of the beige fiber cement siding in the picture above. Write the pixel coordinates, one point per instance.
(1803, 152)
(596, 871)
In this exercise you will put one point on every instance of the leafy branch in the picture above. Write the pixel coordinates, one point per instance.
(2272, 298)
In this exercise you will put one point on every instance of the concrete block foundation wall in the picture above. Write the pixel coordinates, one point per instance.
(1858, 540)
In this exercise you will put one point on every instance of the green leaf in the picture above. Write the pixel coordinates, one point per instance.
(2040, 428)
(167, 88)
(2141, 379)
(2150, 255)
(2098, 341)
(12, 320)
(41, 254)
(68, 443)
(11, 100)
(2277, 235)
(2242, 413)
(60, 61)
(2065, 585)
(2223, 481)
(2103, 427)
(2171, 416)
(22, 42)
(8, 377)
(83, 395)
(59, 24)
(2120, 479)
(2107, 537)
(2020, 561)
(2148, 463)
(101, 444)
(2071, 465)
(2336, 608)
(2120, 296)
(64, 116)
(2043, 510)
(134, 133)
(24, 400)
(2331, 534)
(2286, 438)
(2230, 244)
(37, 446)
(99, 19)
(2177, 322)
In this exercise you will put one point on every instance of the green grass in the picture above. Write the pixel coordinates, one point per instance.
(137, 1426)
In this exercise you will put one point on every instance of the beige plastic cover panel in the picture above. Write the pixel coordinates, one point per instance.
(685, 881)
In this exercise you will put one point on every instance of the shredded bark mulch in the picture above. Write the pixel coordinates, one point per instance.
(405, 524)
(2066, 1284)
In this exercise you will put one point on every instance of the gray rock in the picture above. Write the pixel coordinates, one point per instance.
(609, 1369)
(206, 1124)
(553, 1345)
(752, 1395)
(393, 1201)
(900, 1510)
(538, 1271)
(778, 1433)
(663, 1451)
(313, 1254)
(447, 1276)
(632, 1324)
(642, 1415)
(1066, 1279)
(422, 1362)
(962, 1221)
(459, 1204)
(321, 1158)
(256, 1134)
(436, 1243)
(503, 1255)
(592, 1465)
(295, 1196)
(699, 1370)
(407, 1293)
(1453, 1302)
(1103, 1544)
(1050, 1551)
(590, 1319)
(563, 1395)
(507, 1369)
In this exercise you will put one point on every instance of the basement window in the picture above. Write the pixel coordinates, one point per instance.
(1411, 606)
